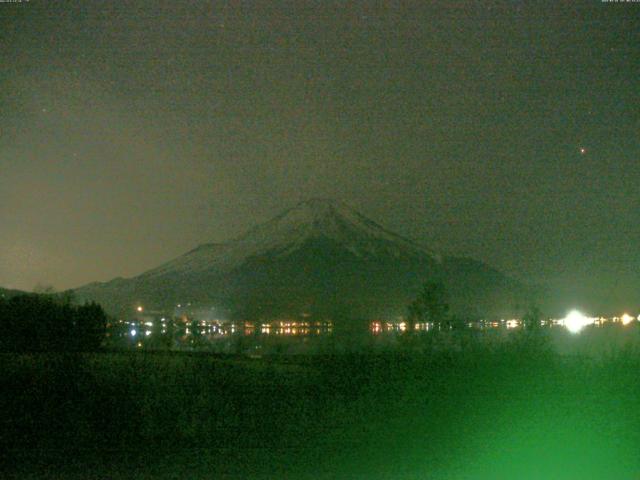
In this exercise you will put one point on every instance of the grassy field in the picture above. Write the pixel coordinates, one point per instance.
(518, 410)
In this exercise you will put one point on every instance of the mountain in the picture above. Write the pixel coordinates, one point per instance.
(321, 258)
(8, 293)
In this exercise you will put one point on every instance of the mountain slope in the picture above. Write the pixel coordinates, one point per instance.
(8, 293)
(288, 232)
(319, 257)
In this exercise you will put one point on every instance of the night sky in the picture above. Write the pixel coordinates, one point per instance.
(130, 132)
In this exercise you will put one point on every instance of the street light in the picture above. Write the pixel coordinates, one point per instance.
(576, 321)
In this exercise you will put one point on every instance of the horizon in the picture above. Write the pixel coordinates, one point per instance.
(610, 311)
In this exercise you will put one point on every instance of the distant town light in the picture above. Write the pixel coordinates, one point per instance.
(147, 332)
(626, 319)
(139, 309)
(576, 321)
(133, 332)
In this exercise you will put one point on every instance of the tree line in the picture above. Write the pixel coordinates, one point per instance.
(431, 305)
(50, 322)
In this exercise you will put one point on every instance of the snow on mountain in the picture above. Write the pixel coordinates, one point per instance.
(313, 257)
(317, 218)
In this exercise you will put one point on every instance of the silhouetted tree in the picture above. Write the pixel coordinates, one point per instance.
(196, 335)
(350, 329)
(532, 318)
(430, 306)
(46, 323)
(168, 336)
(68, 297)
(90, 326)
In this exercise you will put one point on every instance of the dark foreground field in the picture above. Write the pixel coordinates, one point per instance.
(517, 412)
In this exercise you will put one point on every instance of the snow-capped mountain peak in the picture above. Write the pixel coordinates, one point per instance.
(316, 257)
(321, 218)
(309, 220)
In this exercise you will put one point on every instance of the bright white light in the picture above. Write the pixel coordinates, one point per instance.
(626, 319)
(139, 309)
(576, 321)
(147, 332)
(133, 332)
